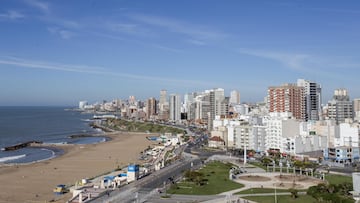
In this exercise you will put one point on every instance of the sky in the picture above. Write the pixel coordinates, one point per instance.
(60, 52)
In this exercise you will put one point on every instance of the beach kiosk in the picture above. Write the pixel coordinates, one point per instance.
(132, 172)
(106, 182)
(60, 189)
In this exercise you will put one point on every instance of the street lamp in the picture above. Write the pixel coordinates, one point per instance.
(275, 194)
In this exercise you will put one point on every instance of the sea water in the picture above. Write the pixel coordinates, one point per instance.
(46, 124)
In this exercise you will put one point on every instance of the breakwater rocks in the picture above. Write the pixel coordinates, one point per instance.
(103, 128)
(21, 145)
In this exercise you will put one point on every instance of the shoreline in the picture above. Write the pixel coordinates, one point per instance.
(35, 181)
(55, 148)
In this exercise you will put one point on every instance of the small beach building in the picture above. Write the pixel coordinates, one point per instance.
(133, 172)
(107, 182)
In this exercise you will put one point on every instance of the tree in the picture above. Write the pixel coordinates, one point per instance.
(294, 193)
(266, 161)
(195, 176)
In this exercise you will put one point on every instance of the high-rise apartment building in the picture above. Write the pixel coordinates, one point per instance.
(82, 105)
(357, 109)
(234, 97)
(340, 107)
(202, 107)
(151, 108)
(175, 107)
(287, 98)
(312, 93)
(188, 100)
(163, 106)
(162, 100)
(219, 106)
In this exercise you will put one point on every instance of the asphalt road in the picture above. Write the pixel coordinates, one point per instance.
(140, 189)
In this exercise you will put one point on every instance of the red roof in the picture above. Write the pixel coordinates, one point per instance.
(216, 139)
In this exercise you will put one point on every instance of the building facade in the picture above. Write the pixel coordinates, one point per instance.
(287, 98)
(151, 108)
(340, 108)
(175, 107)
(312, 93)
(234, 97)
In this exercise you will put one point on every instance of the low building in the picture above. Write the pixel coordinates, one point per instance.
(132, 172)
(342, 155)
(216, 142)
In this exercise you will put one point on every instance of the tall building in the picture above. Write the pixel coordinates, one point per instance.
(151, 108)
(218, 104)
(188, 100)
(132, 101)
(340, 107)
(312, 93)
(357, 109)
(175, 107)
(162, 100)
(82, 104)
(202, 107)
(163, 106)
(280, 129)
(234, 97)
(287, 98)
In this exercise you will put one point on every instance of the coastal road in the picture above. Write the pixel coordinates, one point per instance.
(142, 189)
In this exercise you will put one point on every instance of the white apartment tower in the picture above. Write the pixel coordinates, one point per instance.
(175, 107)
(357, 109)
(162, 100)
(312, 93)
(340, 107)
(234, 97)
(279, 129)
(163, 106)
(218, 104)
(202, 107)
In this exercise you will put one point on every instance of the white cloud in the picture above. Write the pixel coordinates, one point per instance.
(196, 42)
(194, 31)
(11, 15)
(65, 34)
(24, 63)
(42, 6)
(328, 66)
(165, 48)
(123, 27)
(293, 61)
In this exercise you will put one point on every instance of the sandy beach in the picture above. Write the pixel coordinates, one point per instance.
(35, 182)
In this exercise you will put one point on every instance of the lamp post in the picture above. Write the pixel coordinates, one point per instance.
(245, 153)
(165, 187)
(275, 194)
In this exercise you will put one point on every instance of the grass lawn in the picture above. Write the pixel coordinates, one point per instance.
(283, 199)
(338, 179)
(134, 126)
(264, 190)
(217, 175)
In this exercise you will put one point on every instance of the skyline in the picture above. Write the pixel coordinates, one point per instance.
(61, 52)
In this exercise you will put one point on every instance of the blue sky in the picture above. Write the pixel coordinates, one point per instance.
(59, 52)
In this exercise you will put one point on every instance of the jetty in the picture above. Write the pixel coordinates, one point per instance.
(103, 128)
(21, 145)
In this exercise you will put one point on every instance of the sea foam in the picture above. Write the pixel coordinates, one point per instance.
(10, 158)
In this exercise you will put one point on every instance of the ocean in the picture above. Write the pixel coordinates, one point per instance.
(45, 124)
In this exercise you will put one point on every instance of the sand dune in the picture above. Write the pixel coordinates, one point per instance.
(35, 182)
